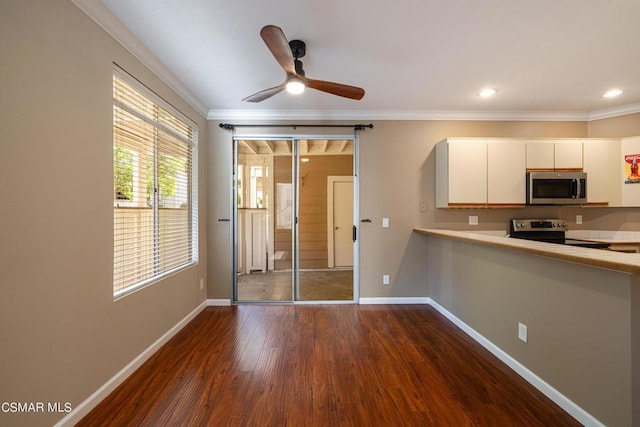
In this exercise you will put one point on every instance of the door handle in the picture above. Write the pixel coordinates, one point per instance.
(355, 233)
(223, 220)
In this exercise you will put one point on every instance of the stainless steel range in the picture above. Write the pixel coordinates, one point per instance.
(548, 230)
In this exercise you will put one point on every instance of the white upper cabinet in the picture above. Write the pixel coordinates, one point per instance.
(491, 172)
(461, 173)
(567, 155)
(539, 155)
(602, 165)
(554, 155)
(506, 183)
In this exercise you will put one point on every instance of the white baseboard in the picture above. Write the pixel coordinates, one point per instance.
(394, 300)
(561, 400)
(218, 302)
(92, 401)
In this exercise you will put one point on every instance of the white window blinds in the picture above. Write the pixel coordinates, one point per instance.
(155, 193)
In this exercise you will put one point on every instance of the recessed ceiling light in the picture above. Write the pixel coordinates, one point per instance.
(486, 93)
(612, 93)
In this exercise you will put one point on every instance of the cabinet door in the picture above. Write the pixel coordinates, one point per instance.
(506, 173)
(539, 155)
(601, 163)
(467, 172)
(568, 155)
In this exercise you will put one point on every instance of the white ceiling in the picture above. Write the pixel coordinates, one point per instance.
(414, 58)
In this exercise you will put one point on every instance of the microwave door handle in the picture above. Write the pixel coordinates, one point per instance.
(577, 188)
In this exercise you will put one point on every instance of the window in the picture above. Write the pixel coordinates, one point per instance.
(154, 187)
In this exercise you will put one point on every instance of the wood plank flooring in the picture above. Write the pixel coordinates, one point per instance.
(325, 365)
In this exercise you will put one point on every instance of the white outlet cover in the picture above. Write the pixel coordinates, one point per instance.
(473, 220)
(385, 222)
(578, 219)
(385, 279)
(522, 332)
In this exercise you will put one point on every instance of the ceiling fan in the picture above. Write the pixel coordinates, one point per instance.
(288, 55)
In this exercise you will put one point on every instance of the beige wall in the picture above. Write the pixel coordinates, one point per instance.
(397, 170)
(63, 336)
(579, 319)
(615, 127)
(397, 174)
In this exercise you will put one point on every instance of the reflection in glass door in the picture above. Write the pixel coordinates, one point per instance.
(293, 220)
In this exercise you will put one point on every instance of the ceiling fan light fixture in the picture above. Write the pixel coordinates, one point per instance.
(295, 86)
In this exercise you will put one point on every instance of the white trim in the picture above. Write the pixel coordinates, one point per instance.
(561, 400)
(553, 116)
(621, 110)
(394, 300)
(92, 401)
(101, 15)
(218, 302)
(269, 115)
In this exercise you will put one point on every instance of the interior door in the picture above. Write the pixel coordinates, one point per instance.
(343, 223)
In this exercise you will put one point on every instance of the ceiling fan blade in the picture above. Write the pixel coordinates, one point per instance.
(277, 43)
(336, 88)
(264, 94)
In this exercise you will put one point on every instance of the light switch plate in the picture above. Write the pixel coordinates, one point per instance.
(385, 279)
(473, 220)
(385, 222)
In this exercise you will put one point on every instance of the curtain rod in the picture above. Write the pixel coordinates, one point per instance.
(355, 127)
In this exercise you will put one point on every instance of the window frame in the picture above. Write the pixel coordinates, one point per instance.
(123, 288)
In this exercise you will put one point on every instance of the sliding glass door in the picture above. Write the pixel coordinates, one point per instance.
(294, 219)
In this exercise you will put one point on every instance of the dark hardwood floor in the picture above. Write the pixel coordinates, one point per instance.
(327, 365)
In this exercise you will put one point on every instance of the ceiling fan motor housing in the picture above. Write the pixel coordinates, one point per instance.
(298, 48)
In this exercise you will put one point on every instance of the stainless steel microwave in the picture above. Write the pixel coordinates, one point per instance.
(556, 188)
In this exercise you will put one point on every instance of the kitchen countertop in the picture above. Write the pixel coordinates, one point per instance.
(624, 262)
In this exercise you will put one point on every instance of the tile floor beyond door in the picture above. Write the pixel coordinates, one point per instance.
(315, 285)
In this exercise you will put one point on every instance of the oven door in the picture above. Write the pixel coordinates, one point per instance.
(556, 188)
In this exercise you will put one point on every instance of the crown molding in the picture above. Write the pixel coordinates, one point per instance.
(396, 115)
(533, 116)
(102, 16)
(621, 110)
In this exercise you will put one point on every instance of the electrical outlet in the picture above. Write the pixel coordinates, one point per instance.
(473, 220)
(385, 222)
(385, 279)
(201, 284)
(578, 219)
(522, 332)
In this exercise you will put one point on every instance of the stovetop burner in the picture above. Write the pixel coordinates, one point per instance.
(548, 230)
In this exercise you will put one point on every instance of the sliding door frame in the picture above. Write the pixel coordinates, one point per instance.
(295, 160)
